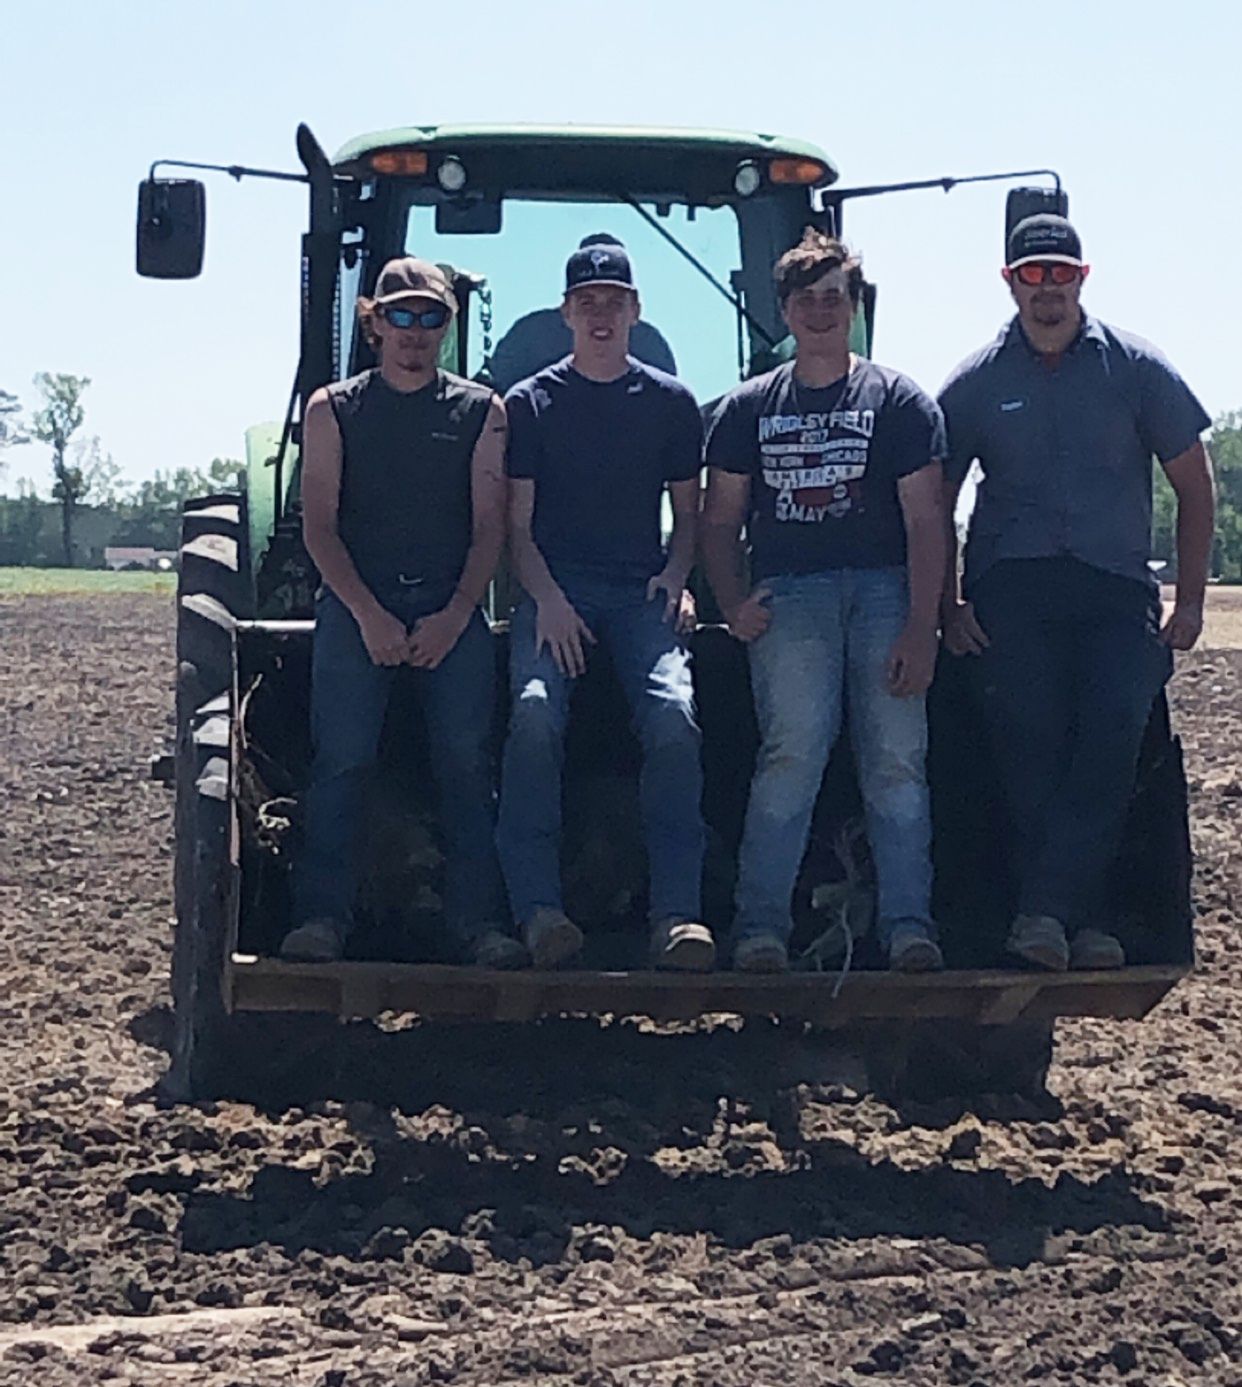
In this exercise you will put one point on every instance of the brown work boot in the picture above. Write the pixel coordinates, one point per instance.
(495, 949)
(761, 953)
(551, 937)
(684, 946)
(317, 941)
(1040, 941)
(1096, 948)
(913, 950)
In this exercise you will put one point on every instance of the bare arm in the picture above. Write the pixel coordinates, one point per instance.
(682, 545)
(912, 661)
(382, 633)
(557, 624)
(434, 636)
(922, 510)
(1190, 474)
(321, 496)
(529, 565)
(724, 513)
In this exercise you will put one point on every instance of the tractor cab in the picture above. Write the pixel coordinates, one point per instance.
(704, 215)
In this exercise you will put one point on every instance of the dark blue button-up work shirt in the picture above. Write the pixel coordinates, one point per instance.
(1066, 450)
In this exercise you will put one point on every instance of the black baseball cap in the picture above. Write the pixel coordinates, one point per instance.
(601, 259)
(1044, 236)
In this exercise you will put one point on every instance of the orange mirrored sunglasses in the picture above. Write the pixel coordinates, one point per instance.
(1036, 272)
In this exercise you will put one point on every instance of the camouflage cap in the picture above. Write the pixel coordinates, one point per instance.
(411, 278)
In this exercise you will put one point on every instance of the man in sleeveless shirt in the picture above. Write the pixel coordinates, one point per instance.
(596, 441)
(403, 493)
(832, 463)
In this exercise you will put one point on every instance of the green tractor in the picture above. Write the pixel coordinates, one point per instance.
(705, 214)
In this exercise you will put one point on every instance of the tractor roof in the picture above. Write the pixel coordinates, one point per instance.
(624, 143)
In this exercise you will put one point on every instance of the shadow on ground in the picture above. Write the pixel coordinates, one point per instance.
(517, 1134)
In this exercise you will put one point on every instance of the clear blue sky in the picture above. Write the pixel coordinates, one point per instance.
(1137, 104)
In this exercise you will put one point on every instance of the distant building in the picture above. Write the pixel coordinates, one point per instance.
(118, 557)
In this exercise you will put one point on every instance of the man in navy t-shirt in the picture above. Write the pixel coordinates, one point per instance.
(595, 441)
(832, 465)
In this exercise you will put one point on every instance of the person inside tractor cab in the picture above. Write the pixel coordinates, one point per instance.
(540, 338)
(595, 441)
(1064, 414)
(832, 464)
(403, 494)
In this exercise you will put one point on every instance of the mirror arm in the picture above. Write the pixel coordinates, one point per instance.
(234, 171)
(833, 195)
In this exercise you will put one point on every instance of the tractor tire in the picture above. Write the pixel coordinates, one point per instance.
(929, 1061)
(212, 591)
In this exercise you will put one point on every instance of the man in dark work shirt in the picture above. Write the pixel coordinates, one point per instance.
(832, 464)
(595, 441)
(403, 495)
(1064, 414)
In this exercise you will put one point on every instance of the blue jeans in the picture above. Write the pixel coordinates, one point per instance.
(1068, 680)
(832, 630)
(653, 666)
(349, 698)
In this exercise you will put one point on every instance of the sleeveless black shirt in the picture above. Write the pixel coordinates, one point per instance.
(405, 508)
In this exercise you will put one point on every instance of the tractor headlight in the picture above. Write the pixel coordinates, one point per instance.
(451, 175)
(747, 178)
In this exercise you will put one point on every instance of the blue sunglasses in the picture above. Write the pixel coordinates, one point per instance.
(404, 318)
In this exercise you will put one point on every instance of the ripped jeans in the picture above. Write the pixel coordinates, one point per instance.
(832, 633)
(653, 667)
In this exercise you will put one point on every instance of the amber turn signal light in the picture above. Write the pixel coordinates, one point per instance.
(407, 161)
(801, 171)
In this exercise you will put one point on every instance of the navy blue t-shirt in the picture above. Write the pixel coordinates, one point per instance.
(824, 465)
(600, 455)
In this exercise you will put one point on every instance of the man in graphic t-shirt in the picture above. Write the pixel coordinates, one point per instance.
(595, 442)
(832, 465)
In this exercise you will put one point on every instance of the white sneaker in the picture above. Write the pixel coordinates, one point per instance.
(682, 945)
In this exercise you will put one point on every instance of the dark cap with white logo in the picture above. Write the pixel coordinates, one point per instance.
(1043, 237)
(600, 262)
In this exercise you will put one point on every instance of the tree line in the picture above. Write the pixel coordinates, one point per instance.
(88, 493)
(87, 482)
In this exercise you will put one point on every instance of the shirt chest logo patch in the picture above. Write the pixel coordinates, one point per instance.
(444, 437)
(1011, 406)
(635, 389)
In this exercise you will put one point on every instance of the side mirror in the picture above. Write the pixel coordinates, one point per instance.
(1030, 202)
(172, 228)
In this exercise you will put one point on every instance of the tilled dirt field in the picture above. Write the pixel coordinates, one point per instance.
(563, 1204)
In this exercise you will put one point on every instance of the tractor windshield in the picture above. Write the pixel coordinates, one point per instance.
(688, 326)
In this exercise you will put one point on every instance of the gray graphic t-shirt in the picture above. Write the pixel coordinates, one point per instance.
(825, 464)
